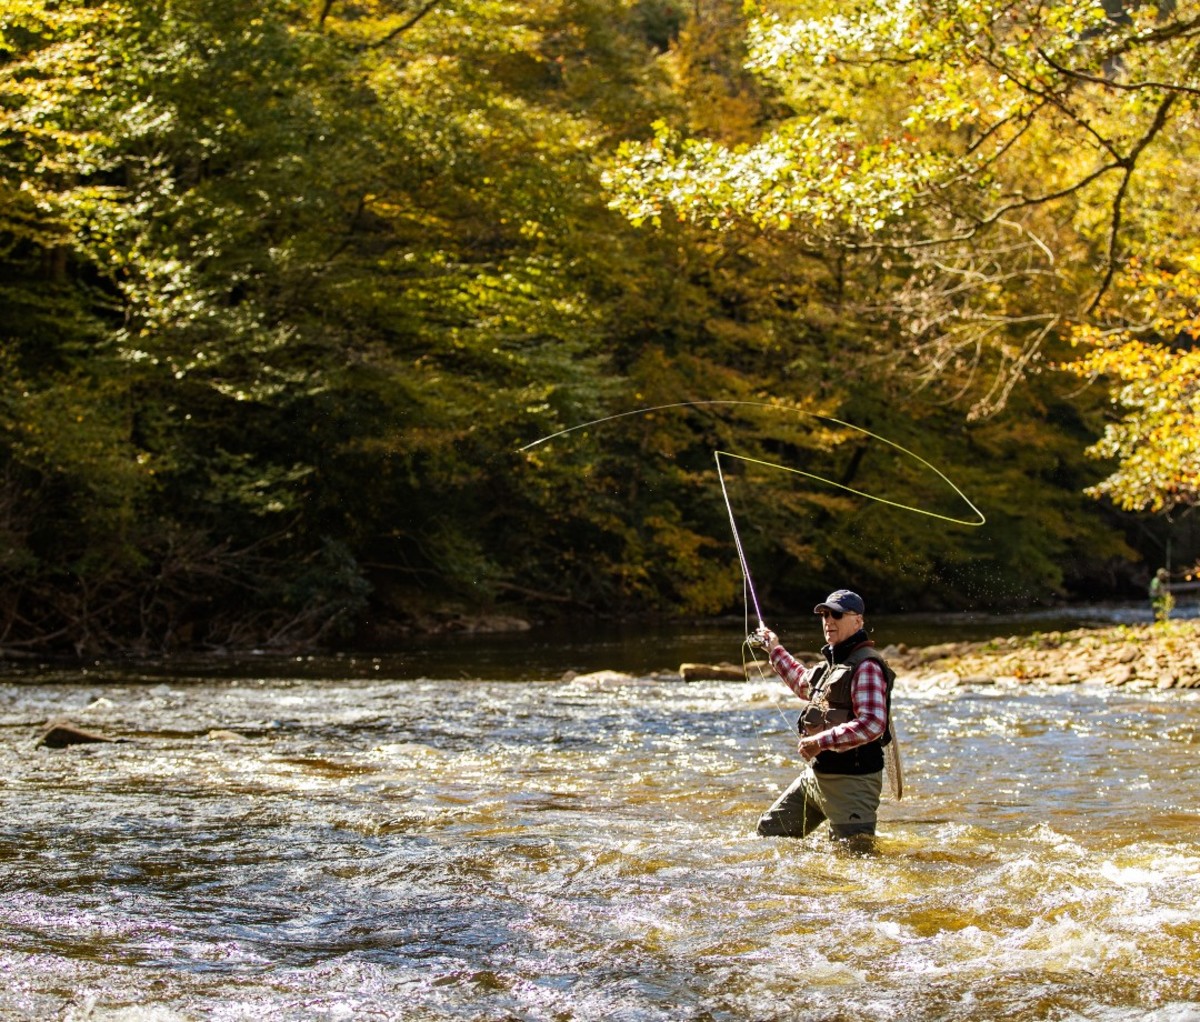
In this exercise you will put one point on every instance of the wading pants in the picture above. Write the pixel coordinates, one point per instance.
(848, 801)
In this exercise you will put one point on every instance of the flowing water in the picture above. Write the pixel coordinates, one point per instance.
(347, 840)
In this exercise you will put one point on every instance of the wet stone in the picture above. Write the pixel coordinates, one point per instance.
(59, 734)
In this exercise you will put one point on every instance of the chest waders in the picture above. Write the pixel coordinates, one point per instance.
(839, 787)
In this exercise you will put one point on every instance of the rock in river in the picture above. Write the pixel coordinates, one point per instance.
(61, 733)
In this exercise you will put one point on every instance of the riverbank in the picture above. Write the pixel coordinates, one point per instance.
(1161, 656)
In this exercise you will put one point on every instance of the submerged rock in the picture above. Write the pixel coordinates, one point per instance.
(61, 733)
(224, 735)
(601, 678)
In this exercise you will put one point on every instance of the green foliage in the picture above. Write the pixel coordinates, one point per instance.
(286, 287)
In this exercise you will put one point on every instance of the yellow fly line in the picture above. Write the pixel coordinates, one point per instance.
(975, 521)
(978, 518)
(892, 756)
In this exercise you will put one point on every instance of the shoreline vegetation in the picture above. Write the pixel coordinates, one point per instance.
(1161, 655)
(447, 312)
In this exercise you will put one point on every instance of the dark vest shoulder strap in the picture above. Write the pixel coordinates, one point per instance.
(870, 653)
(857, 656)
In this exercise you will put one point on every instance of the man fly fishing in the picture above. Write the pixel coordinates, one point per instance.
(844, 729)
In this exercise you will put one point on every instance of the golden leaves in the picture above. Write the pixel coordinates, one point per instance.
(804, 172)
(1155, 374)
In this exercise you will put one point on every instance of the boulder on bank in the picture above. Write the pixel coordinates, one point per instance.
(61, 733)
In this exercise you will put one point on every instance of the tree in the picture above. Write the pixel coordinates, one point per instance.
(1153, 362)
(287, 286)
(990, 167)
(344, 244)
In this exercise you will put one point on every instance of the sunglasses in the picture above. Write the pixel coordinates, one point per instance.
(837, 615)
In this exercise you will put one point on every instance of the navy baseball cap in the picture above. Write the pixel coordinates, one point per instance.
(844, 601)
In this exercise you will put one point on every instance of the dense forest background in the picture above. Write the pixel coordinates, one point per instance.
(286, 286)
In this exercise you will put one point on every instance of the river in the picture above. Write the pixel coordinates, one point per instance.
(351, 839)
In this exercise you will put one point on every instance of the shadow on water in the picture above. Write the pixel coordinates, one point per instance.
(648, 647)
(643, 648)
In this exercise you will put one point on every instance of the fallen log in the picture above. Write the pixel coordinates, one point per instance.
(712, 672)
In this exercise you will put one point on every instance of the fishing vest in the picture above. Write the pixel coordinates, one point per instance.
(829, 704)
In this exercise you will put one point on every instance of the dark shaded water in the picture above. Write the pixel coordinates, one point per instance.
(376, 844)
(640, 647)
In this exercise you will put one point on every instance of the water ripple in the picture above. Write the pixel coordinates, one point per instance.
(375, 848)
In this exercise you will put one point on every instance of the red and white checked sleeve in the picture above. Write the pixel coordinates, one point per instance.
(790, 670)
(868, 696)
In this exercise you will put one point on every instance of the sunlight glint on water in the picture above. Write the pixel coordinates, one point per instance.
(464, 850)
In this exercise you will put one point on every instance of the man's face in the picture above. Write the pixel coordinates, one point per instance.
(838, 625)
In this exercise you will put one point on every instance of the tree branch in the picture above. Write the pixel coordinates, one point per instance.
(1084, 76)
(1128, 164)
(400, 30)
(327, 9)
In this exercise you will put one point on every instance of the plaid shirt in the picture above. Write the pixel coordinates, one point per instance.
(868, 698)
